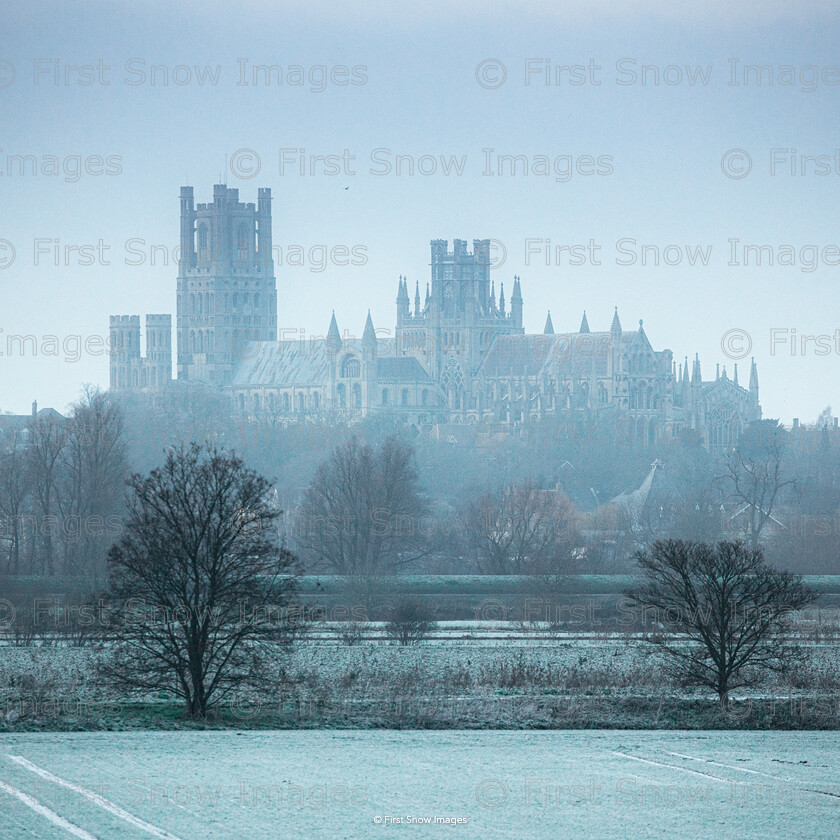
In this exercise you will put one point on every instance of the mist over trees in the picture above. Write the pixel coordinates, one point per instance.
(460, 504)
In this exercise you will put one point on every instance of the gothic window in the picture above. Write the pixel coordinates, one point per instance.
(351, 368)
(286, 402)
(405, 396)
(316, 400)
(203, 249)
(384, 396)
(242, 243)
(341, 393)
(424, 399)
(256, 402)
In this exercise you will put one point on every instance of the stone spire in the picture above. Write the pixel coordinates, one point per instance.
(492, 295)
(516, 303)
(334, 343)
(584, 324)
(549, 327)
(416, 298)
(695, 374)
(735, 375)
(402, 300)
(754, 379)
(502, 298)
(615, 329)
(369, 335)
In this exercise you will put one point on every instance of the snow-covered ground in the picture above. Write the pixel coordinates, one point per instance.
(357, 785)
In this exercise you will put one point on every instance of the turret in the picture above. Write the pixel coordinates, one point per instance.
(265, 258)
(753, 380)
(186, 259)
(158, 350)
(369, 338)
(333, 343)
(516, 304)
(615, 328)
(402, 301)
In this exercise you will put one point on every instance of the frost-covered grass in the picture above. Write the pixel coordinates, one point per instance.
(543, 683)
(526, 785)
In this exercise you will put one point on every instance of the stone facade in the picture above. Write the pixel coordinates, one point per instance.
(459, 355)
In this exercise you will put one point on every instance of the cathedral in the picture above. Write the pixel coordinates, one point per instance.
(458, 355)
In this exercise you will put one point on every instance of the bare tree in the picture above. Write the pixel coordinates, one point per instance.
(15, 491)
(521, 529)
(723, 612)
(363, 514)
(93, 471)
(200, 580)
(756, 477)
(47, 441)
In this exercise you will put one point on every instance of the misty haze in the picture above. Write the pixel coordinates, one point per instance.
(418, 421)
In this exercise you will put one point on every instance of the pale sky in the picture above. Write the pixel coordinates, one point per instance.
(694, 161)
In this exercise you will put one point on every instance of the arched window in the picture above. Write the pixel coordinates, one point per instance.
(404, 398)
(357, 396)
(286, 402)
(351, 368)
(424, 398)
(341, 393)
(384, 396)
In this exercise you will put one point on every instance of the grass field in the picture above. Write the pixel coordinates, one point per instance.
(358, 785)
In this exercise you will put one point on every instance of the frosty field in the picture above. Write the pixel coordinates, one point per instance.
(359, 785)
